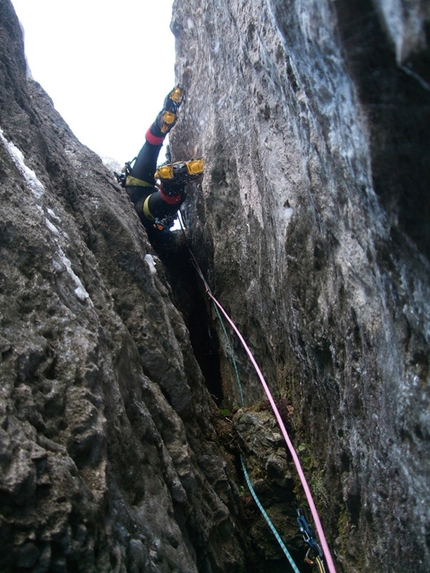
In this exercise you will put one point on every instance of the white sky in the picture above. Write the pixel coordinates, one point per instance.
(107, 66)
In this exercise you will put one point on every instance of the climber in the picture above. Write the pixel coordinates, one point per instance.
(157, 204)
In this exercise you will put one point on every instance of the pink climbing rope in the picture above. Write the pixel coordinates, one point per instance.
(305, 485)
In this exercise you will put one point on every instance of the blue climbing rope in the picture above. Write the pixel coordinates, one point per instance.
(230, 350)
(267, 518)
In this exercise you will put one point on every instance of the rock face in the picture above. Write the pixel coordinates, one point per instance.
(311, 227)
(109, 459)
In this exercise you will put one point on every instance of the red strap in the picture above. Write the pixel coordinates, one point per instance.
(170, 200)
(153, 139)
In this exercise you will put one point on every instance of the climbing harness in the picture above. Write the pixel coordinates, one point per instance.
(325, 552)
(125, 179)
(125, 172)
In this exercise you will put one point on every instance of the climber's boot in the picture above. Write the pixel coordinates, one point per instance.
(174, 99)
(174, 176)
(181, 172)
(168, 116)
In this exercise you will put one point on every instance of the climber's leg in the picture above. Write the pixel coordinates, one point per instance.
(168, 116)
(165, 202)
(146, 161)
(157, 207)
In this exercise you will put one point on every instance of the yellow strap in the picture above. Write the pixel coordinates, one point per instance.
(146, 210)
(134, 182)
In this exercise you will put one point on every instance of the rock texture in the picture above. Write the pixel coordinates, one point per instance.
(120, 417)
(313, 226)
(109, 459)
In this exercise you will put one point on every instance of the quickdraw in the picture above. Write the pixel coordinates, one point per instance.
(314, 555)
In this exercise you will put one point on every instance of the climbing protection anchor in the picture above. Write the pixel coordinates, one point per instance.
(314, 555)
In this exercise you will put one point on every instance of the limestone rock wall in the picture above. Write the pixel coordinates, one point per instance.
(312, 227)
(108, 456)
